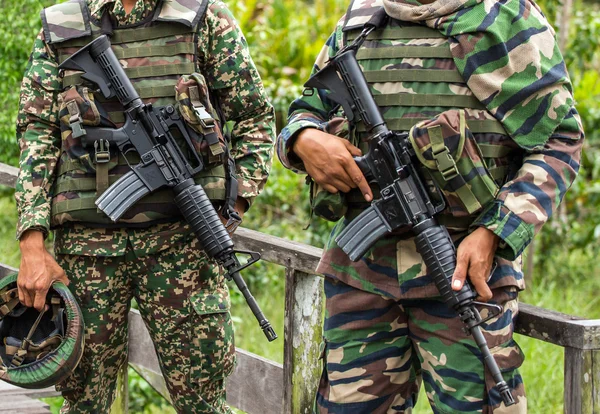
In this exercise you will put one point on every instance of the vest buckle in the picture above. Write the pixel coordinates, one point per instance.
(445, 163)
(75, 121)
(101, 151)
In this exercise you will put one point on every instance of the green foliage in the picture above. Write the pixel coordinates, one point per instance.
(21, 23)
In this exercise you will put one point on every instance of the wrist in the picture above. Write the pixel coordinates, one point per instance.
(492, 237)
(32, 240)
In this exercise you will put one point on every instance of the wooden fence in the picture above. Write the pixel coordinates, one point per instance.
(261, 386)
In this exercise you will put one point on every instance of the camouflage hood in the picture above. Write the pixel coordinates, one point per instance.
(508, 56)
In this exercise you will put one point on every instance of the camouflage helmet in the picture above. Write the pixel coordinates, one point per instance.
(39, 349)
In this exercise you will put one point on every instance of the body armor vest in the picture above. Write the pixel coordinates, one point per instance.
(155, 54)
(413, 79)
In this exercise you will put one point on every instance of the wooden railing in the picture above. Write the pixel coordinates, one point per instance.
(261, 386)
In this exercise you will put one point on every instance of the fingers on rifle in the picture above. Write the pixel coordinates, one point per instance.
(359, 180)
(460, 273)
(483, 290)
(355, 151)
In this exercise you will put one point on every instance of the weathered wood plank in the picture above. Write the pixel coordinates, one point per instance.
(20, 404)
(8, 175)
(558, 328)
(5, 270)
(256, 385)
(303, 334)
(277, 250)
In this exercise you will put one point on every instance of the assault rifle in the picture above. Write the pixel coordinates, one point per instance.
(148, 131)
(404, 200)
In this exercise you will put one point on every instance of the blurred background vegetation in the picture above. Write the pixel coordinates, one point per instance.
(285, 36)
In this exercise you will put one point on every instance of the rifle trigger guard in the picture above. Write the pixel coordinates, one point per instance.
(254, 257)
(495, 310)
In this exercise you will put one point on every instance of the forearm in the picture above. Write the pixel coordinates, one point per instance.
(239, 95)
(38, 136)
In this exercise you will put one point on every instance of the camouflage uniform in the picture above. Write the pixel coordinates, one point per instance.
(386, 329)
(181, 295)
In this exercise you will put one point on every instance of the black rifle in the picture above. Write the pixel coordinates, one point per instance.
(404, 200)
(148, 131)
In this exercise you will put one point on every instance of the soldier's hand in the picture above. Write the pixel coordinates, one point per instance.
(474, 257)
(37, 272)
(328, 160)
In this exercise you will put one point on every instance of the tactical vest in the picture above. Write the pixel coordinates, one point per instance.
(413, 78)
(155, 54)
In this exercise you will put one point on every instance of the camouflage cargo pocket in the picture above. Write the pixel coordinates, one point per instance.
(193, 103)
(213, 350)
(447, 148)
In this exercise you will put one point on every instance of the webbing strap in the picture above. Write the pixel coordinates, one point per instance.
(414, 75)
(89, 184)
(422, 52)
(134, 35)
(477, 127)
(75, 165)
(407, 32)
(455, 222)
(149, 51)
(494, 151)
(407, 99)
(498, 173)
(87, 203)
(142, 72)
(147, 92)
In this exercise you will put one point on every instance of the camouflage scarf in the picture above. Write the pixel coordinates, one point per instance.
(507, 54)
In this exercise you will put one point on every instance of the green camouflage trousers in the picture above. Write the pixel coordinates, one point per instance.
(185, 305)
(379, 349)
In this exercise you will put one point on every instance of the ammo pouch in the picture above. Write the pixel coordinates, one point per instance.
(78, 109)
(447, 148)
(193, 103)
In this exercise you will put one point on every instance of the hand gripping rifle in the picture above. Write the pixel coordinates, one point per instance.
(404, 199)
(147, 131)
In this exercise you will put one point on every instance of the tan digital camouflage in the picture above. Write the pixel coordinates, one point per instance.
(154, 53)
(39, 349)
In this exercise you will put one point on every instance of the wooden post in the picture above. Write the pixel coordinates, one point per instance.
(582, 381)
(302, 339)
(121, 403)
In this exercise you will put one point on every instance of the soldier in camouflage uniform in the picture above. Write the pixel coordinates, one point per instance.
(484, 92)
(151, 254)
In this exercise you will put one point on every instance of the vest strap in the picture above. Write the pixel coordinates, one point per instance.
(406, 32)
(476, 127)
(494, 151)
(138, 34)
(150, 51)
(141, 72)
(414, 75)
(405, 52)
(146, 92)
(407, 99)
